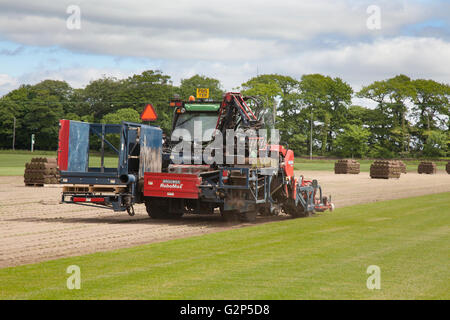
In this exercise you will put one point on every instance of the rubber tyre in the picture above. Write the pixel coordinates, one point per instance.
(265, 212)
(295, 212)
(249, 216)
(230, 216)
(160, 211)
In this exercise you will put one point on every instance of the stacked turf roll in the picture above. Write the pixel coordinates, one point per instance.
(41, 171)
(427, 167)
(402, 166)
(347, 166)
(385, 169)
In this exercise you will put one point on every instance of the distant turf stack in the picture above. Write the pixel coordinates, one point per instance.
(385, 169)
(347, 166)
(41, 171)
(402, 166)
(427, 167)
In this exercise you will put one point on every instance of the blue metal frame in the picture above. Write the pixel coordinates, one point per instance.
(83, 174)
(308, 205)
(251, 175)
(102, 175)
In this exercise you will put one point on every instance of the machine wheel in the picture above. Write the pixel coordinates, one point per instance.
(294, 211)
(234, 216)
(130, 211)
(229, 216)
(159, 209)
(249, 216)
(264, 211)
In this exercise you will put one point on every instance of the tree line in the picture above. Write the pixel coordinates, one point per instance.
(410, 117)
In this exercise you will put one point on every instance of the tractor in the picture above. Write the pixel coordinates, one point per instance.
(247, 186)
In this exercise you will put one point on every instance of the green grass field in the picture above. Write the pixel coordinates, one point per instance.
(328, 165)
(13, 163)
(325, 257)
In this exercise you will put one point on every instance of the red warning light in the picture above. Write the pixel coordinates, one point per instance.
(149, 113)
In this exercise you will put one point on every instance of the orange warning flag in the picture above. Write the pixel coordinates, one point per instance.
(149, 113)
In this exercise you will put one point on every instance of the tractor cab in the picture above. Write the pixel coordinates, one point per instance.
(193, 122)
(198, 118)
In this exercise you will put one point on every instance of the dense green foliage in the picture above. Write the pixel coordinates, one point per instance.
(411, 117)
(313, 258)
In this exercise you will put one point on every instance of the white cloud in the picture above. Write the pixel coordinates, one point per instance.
(366, 62)
(358, 64)
(230, 42)
(201, 30)
(76, 77)
(7, 83)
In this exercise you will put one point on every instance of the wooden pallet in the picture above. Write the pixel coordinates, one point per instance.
(52, 185)
(75, 189)
(97, 189)
(94, 189)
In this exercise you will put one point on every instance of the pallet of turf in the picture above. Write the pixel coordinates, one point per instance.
(41, 171)
(347, 166)
(427, 167)
(385, 169)
(447, 167)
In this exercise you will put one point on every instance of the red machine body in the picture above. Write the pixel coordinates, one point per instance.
(171, 185)
(63, 144)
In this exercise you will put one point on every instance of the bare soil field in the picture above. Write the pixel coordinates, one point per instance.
(35, 227)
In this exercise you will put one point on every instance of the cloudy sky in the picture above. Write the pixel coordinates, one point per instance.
(229, 40)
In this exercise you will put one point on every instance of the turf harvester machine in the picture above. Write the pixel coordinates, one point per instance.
(241, 188)
(154, 172)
